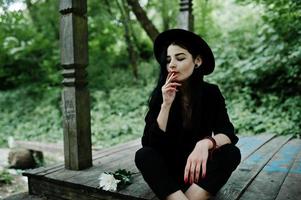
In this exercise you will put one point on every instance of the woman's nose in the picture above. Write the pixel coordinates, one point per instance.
(172, 65)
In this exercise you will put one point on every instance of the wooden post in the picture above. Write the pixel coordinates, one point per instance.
(75, 95)
(185, 18)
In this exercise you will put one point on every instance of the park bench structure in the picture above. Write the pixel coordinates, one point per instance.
(270, 167)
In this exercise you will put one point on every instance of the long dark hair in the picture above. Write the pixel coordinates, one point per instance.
(195, 80)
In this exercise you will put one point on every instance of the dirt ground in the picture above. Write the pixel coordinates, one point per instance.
(19, 182)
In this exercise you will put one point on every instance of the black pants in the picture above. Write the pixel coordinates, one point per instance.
(165, 174)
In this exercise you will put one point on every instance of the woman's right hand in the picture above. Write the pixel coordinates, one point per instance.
(169, 89)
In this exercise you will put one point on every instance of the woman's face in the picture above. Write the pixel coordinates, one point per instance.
(181, 62)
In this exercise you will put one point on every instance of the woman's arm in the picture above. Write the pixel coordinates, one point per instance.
(163, 116)
(220, 139)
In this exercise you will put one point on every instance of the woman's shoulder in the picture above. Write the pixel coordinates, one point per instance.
(210, 87)
(211, 92)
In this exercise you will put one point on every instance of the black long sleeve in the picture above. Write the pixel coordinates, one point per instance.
(222, 123)
(153, 136)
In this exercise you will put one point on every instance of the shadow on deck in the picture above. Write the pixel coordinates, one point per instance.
(270, 169)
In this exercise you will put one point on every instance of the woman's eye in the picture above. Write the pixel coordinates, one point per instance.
(180, 59)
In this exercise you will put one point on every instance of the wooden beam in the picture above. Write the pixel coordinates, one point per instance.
(185, 18)
(75, 95)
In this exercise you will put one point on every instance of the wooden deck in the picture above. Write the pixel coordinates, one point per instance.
(270, 169)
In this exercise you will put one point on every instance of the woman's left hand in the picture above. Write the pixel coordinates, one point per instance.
(196, 161)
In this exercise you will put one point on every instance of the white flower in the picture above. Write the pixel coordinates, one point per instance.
(108, 182)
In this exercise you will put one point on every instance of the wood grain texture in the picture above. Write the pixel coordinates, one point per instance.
(74, 40)
(76, 6)
(267, 183)
(291, 188)
(249, 145)
(247, 171)
(270, 162)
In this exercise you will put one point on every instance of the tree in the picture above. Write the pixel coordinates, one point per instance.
(141, 15)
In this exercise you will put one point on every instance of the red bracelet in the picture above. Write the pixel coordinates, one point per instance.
(214, 144)
(212, 140)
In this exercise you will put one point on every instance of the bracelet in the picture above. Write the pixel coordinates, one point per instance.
(214, 145)
(212, 140)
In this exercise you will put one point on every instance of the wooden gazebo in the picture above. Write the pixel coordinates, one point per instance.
(77, 178)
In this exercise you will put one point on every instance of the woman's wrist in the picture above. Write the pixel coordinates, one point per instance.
(165, 105)
(212, 142)
(209, 142)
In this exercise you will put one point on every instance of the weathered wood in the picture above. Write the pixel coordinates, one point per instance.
(249, 145)
(185, 18)
(75, 95)
(39, 146)
(52, 190)
(77, 130)
(74, 44)
(248, 170)
(290, 188)
(75, 6)
(263, 155)
(138, 188)
(97, 158)
(268, 182)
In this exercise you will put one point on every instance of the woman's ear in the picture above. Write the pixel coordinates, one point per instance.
(198, 61)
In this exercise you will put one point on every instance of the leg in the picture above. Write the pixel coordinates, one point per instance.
(219, 169)
(154, 169)
(195, 192)
(178, 195)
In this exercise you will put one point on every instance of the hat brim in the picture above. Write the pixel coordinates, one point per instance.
(164, 39)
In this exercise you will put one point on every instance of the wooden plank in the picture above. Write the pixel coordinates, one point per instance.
(125, 161)
(138, 188)
(82, 177)
(69, 192)
(249, 145)
(42, 171)
(39, 146)
(118, 148)
(248, 169)
(268, 182)
(290, 188)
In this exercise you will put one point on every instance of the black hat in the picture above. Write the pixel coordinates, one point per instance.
(164, 39)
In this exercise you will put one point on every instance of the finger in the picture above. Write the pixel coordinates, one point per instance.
(192, 169)
(172, 76)
(168, 77)
(174, 85)
(186, 171)
(197, 172)
(204, 163)
(170, 89)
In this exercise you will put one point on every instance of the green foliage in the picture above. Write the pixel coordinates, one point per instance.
(257, 54)
(124, 176)
(5, 177)
(30, 113)
(28, 46)
(117, 114)
(256, 44)
(274, 65)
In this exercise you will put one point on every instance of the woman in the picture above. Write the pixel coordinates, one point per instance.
(188, 142)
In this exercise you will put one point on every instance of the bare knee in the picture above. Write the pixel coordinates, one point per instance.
(195, 192)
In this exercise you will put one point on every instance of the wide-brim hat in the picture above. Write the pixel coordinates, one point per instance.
(164, 39)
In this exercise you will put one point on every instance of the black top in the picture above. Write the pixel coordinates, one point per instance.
(209, 115)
